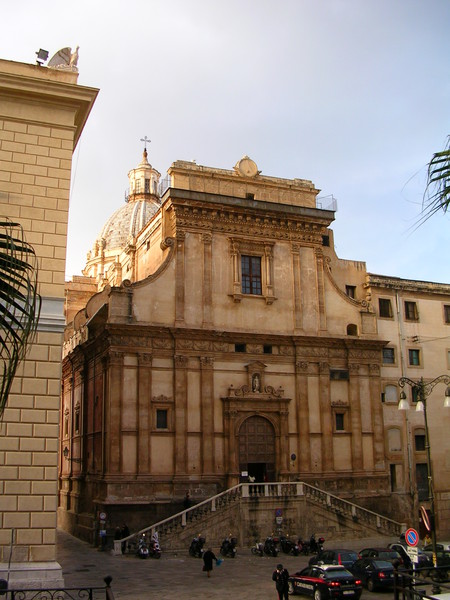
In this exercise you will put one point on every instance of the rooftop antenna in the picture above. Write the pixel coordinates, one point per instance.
(145, 140)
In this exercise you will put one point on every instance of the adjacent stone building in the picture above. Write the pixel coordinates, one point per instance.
(42, 114)
(227, 339)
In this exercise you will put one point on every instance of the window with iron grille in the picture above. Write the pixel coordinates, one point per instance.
(251, 274)
(388, 356)
(161, 418)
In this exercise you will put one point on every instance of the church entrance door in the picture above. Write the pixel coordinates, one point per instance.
(257, 448)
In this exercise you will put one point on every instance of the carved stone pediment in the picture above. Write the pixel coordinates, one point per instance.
(247, 391)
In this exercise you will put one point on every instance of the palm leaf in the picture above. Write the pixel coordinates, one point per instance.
(19, 302)
(437, 192)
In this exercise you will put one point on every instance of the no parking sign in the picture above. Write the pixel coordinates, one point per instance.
(412, 537)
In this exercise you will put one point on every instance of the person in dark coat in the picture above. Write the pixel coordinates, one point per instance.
(281, 578)
(124, 532)
(208, 558)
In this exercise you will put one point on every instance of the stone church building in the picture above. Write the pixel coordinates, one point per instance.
(215, 335)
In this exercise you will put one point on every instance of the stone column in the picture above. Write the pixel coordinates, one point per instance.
(114, 415)
(301, 384)
(181, 364)
(144, 417)
(207, 414)
(377, 417)
(180, 273)
(326, 421)
(298, 317)
(283, 458)
(207, 279)
(355, 418)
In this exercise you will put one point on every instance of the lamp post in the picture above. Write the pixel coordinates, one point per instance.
(424, 389)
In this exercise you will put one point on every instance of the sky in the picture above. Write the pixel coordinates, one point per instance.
(353, 95)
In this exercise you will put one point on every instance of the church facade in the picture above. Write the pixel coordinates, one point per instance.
(214, 336)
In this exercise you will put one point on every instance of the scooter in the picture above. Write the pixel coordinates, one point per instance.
(303, 547)
(228, 547)
(288, 546)
(316, 546)
(270, 547)
(257, 549)
(196, 547)
(154, 549)
(142, 548)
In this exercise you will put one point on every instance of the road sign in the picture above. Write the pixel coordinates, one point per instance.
(278, 512)
(413, 554)
(425, 518)
(412, 537)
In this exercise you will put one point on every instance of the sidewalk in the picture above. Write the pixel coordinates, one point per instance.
(179, 576)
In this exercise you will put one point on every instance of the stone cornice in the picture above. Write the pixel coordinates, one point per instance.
(407, 285)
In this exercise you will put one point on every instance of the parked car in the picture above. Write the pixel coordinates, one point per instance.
(382, 553)
(424, 562)
(439, 546)
(443, 560)
(324, 582)
(336, 556)
(374, 573)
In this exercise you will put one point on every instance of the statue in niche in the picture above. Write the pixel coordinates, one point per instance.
(256, 383)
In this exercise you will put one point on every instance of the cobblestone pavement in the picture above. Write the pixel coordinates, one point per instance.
(180, 576)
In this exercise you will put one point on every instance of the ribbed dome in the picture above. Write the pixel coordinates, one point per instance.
(127, 221)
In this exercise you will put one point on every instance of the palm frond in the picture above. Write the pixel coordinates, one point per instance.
(437, 192)
(19, 302)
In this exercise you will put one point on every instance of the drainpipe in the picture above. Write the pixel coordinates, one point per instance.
(401, 339)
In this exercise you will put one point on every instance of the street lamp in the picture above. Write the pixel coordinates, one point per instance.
(423, 390)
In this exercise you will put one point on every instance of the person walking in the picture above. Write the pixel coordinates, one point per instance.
(208, 558)
(281, 578)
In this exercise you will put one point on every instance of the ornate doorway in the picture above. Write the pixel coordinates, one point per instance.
(257, 448)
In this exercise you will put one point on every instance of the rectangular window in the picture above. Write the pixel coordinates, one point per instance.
(350, 290)
(411, 313)
(161, 418)
(339, 375)
(147, 186)
(385, 308)
(340, 422)
(447, 314)
(267, 349)
(240, 348)
(251, 275)
(414, 358)
(137, 188)
(393, 477)
(419, 442)
(422, 481)
(388, 356)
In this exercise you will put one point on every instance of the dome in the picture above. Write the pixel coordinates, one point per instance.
(128, 220)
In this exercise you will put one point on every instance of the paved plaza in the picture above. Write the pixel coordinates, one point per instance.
(180, 576)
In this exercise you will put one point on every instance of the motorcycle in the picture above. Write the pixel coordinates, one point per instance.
(316, 546)
(257, 549)
(288, 546)
(303, 547)
(154, 549)
(142, 548)
(270, 547)
(196, 547)
(228, 547)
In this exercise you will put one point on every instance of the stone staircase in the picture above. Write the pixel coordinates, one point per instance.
(251, 512)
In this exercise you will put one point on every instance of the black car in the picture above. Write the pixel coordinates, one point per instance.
(325, 581)
(374, 573)
(388, 554)
(424, 561)
(338, 556)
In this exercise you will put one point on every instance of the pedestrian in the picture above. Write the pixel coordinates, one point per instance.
(281, 578)
(187, 503)
(208, 558)
(125, 532)
(427, 540)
